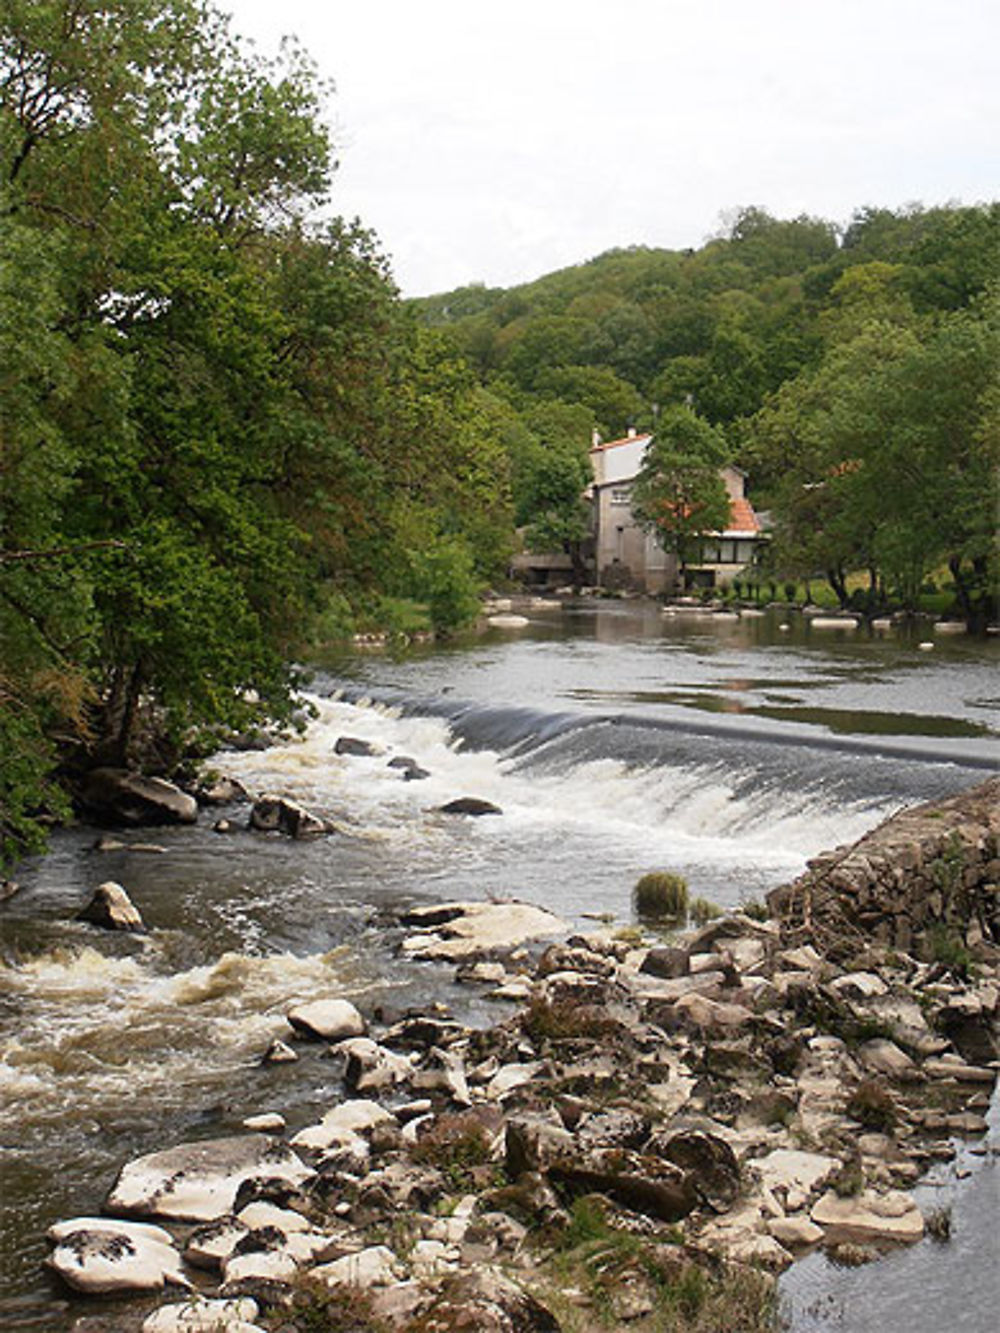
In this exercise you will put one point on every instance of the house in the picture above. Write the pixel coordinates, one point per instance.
(627, 556)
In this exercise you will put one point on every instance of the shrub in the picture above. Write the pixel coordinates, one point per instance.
(661, 894)
(938, 1224)
(945, 946)
(702, 911)
(790, 590)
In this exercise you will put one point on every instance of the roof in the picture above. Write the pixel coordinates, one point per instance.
(742, 517)
(613, 444)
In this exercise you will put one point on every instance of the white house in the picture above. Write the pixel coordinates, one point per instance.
(626, 555)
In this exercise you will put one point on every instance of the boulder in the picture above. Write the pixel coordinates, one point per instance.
(892, 1216)
(352, 745)
(470, 805)
(794, 1233)
(119, 796)
(327, 1020)
(792, 1175)
(667, 961)
(709, 1160)
(198, 1182)
(277, 814)
(370, 1065)
(640, 1182)
(467, 931)
(115, 1259)
(112, 909)
(208, 1246)
(222, 791)
(278, 1053)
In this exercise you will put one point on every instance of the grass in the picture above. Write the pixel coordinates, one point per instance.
(661, 894)
(603, 1266)
(701, 911)
(456, 1145)
(317, 1308)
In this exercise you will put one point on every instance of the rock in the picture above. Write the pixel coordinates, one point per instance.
(112, 909)
(352, 745)
(101, 1261)
(959, 1070)
(470, 805)
(327, 1020)
(885, 1057)
(711, 1016)
(344, 1126)
(118, 796)
(278, 1053)
(443, 1071)
(260, 1213)
(209, 1245)
(277, 814)
(223, 826)
(858, 986)
(614, 1128)
(375, 1266)
(504, 621)
(639, 1182)
(268, 1122)
(667, 961)
(534, 1141)
(485, 1300)
(793, 1175)
(198, 1182)
(203, 1316)
(371, 1066)
(223, 791)
(475, 929)
(869, 1216)
(509, 1077)
(795, 1232)
(709, 1160)
(415, 774)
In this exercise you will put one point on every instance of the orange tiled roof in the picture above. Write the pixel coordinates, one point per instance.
(613, 444)
(742, 517)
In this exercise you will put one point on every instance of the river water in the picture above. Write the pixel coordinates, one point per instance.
(616, 739)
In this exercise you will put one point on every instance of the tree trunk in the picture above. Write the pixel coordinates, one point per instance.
(835, 578)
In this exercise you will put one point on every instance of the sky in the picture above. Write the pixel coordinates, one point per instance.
(497, 142)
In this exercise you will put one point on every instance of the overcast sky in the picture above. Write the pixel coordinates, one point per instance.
(495, 142)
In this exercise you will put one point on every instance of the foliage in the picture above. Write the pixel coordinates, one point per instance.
(661, 894)
(701, 911)
(871, 1103)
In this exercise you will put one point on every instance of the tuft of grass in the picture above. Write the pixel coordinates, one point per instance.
(946, 946)
(701, 911)
(456, 1145)
(661, 894)
(317, 1308)
(937, 1224)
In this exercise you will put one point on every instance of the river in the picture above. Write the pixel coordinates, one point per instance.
(616, 739)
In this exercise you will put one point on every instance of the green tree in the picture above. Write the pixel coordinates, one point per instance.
(679, 493)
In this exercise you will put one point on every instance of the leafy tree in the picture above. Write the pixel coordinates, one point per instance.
(679, 493)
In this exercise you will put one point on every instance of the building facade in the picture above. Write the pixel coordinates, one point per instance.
(627, 556)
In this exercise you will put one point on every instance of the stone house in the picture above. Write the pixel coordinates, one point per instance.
(627, 556)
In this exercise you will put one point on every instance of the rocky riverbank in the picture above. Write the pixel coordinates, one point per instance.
(652, 1128)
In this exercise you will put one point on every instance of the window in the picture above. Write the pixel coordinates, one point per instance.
(621, 496)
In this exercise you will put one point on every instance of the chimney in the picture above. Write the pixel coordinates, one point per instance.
(595, 437)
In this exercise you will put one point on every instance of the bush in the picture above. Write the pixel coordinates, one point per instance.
(790, 590)
(702, 911)
(661, 894)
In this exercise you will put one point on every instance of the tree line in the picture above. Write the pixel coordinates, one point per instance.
(850, 370)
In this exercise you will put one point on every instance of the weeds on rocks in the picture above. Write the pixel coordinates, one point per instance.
(872, 1105)
(317, 1308)
(661, 894)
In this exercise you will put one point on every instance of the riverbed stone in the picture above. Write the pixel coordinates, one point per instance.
(327, 1020)
(343, 1127)
(203, 1316)
(470, 805)
(112, 909)
(120, 796)
(892, 1216)
(473, 930)
(104, 1262)
(208, 1245)
(198, 1182)
(272, 813)
(375, 1266)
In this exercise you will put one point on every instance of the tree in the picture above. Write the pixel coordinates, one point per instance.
(679, 493)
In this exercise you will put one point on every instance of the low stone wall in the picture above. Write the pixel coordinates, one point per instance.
(931, 866)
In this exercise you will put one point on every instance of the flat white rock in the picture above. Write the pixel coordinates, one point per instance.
(327, 1020)
(198, 1182)
(343, 1127)
(870, 1216)
(201, 1316)
(373, 1267)
(477, 928)
(105, 1262)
